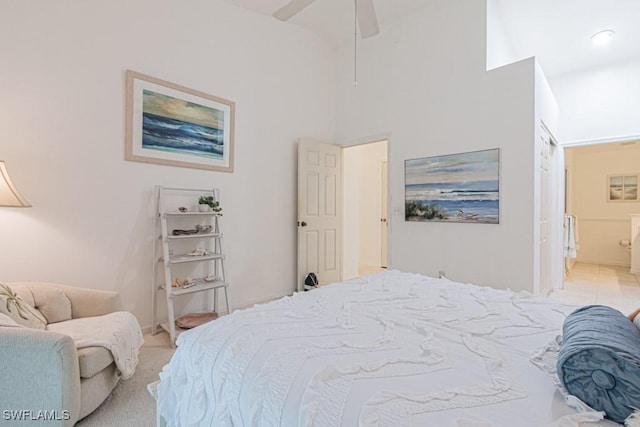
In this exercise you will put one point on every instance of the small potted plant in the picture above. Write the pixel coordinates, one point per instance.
(203, 204)
(209, 204)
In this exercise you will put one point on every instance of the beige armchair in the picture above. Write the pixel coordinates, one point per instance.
(41, 370)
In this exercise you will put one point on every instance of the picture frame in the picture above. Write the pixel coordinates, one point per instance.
(169, 124)
(462, 187)
(623, 187)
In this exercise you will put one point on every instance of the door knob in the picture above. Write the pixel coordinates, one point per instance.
(304, 224)
(383, 219)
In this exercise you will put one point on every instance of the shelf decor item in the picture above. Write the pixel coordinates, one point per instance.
(168, 124)
(191, 320)
(212, 205)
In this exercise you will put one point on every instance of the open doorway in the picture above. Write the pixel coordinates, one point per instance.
(364, 209)
(601, 197)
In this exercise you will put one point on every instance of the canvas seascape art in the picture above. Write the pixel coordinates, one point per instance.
(454, 188)
(174, 125)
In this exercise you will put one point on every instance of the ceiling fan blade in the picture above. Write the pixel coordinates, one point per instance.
(367, 19)
(290, 9)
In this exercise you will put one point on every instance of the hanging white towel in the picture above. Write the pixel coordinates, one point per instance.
(570, 237)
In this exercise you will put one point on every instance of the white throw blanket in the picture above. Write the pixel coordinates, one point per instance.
(118, 332)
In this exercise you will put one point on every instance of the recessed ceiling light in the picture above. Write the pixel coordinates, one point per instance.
(602, 38)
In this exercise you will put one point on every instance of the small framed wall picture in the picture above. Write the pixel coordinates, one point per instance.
(622, 188)
(173, 125)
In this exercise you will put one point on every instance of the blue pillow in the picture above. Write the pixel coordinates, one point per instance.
(599, 360)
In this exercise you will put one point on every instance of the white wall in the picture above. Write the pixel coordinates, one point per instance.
(500, 50)
(362, 206)
(601, 224)
(62, 117)
(424, 81)
(602, 103)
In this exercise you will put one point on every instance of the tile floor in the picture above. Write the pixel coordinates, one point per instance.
(601, 284)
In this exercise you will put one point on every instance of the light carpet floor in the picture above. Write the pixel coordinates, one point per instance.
(130, 404)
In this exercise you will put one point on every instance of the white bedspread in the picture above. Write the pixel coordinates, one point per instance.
(391, 349)
(118, 332)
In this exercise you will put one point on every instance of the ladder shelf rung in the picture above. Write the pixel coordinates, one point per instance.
(192, 213)
(194, 236)
(199, 287)
(180, 259)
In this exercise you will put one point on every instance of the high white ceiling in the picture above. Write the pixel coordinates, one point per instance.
(557, 32)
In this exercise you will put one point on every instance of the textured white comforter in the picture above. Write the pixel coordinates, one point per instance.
(391, 349)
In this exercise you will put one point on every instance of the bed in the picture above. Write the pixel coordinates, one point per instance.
(389, 349)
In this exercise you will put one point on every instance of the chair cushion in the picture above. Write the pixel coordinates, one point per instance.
(51, 302)
(118, 331)
(93, 360)
(18, 304)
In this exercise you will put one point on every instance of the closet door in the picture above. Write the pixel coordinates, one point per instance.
(546, 193)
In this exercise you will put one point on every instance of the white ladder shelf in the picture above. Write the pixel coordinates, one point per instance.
(210, 259)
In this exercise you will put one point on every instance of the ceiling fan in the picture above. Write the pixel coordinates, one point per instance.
(365, 12)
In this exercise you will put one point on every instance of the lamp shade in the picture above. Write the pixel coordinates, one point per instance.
(9, 195)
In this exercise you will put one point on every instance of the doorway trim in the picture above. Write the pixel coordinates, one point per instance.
(610, 140)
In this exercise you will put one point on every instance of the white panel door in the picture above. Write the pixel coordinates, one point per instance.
(319, 212)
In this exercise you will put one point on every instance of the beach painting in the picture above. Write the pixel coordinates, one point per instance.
(454, 188)
(177, 126)
(623, 188)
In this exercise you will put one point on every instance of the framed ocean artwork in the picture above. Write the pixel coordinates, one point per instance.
(454, 188)
(168, 124)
